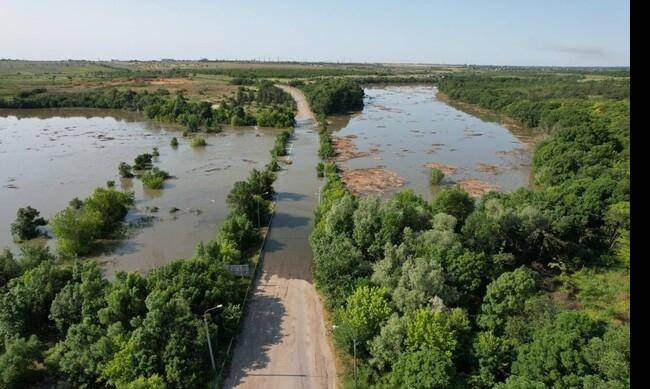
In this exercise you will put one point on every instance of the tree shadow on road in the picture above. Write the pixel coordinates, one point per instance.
(285, 220)
(262, 329)
(290, 196)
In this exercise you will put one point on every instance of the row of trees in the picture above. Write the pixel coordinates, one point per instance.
(454, 293)
(276, 106)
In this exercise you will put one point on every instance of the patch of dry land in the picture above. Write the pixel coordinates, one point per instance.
(346, 149)
(376, 179)
(477, 188)
(489, 168)
(446, 169)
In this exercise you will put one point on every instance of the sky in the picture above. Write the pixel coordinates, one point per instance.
(483, 32)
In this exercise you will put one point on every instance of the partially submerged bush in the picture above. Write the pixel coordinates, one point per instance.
(125, 170)
(198, 142)
(26, 225)
(97, 217)
(436, 176)
(154, 178)
(174, 142)
(143, 162)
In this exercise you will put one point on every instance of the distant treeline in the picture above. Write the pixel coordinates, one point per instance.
(334, 96)
(269, 72)
(277, 106)
(536, 100)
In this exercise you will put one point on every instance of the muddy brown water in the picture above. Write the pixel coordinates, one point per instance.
(406, 127)
(48, 157)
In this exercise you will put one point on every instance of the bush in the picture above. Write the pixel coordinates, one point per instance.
(436, 176)
(174, 142)
(198, 142)
(125, 170)
(26, 225)
(143, 162)
(154, 178)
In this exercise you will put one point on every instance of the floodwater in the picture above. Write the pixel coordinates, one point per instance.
(403, 128)
(48, 157)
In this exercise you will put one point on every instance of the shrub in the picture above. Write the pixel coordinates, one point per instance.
(154, 178)
(174, 142)
(26, 225)
(125, 170)
(436, 176)
(198, 142)
(143, 162)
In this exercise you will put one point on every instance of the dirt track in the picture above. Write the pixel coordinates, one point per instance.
(283, 343)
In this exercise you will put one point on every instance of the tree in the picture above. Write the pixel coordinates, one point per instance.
(82, 297)
(389, 343)
(455, 202)
(506, 296)
(80, 356)
(367, 224)
(338, 266)
(609, 357)
(423, 369)
(26, 225)
(75, 230)
(421, 280)
(365, 311)
(239, 231)
(125, 300)
(25, 306)
(494, 356)
(18, 364)
(9, 268)
(555, 356)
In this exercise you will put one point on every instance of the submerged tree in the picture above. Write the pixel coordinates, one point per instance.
(26, 225)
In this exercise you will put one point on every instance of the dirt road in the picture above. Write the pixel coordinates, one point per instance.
(283, 343)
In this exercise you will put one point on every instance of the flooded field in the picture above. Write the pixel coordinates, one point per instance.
(403, 131)
(48, 157)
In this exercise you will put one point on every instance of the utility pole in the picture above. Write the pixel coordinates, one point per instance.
(207, 334)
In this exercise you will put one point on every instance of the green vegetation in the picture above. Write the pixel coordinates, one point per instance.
(63, 324)
(77, 228)
(268, 106)
(174, 142)
(154, 178)
(26, 225)
(198, 141)
(435, 176)
(125, 170)
(143, 162)
(527, 289)
(331, 96)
